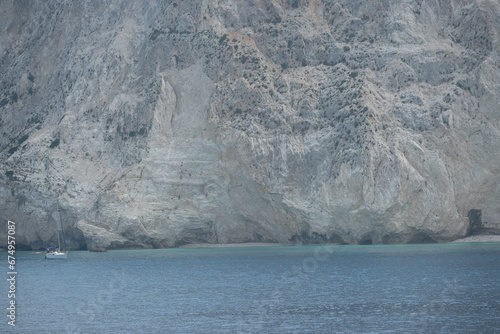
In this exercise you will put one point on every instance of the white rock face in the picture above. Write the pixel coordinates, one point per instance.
(170, 123)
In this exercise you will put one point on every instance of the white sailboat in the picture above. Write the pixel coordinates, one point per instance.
(57, 253)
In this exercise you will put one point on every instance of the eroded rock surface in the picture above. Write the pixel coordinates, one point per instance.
(167, 123)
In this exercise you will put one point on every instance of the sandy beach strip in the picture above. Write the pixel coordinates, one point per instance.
(245, 244)
(480, 238)
(474, 238)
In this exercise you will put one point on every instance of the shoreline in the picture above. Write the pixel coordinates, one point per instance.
(478, 238)
(481, 238)
(244, 244)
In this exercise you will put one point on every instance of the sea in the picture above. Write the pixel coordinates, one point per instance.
(425, 288)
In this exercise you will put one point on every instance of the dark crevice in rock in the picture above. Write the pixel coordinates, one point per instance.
(475, 221)
(366, 241)
(421, 238)
(315, 238)
(23, 247)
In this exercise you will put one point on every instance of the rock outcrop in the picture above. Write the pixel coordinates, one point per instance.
(167, 123)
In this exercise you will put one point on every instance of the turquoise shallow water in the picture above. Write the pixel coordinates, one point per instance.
(436, 288)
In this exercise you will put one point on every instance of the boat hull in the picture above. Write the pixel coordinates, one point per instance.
(56, 256)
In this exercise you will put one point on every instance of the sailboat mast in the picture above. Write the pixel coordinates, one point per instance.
(62, 229)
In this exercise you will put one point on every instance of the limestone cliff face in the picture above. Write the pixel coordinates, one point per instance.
(174, 122)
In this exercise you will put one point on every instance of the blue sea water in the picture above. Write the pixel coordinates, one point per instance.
(431, 288)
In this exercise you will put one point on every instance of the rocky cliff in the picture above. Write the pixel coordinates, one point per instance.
(166, 123)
